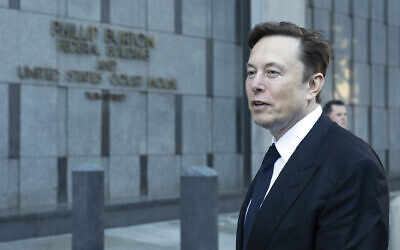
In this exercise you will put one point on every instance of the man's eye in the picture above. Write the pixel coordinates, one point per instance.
(272, 73)
(250, 73)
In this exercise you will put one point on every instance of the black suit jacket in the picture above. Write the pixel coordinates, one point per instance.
(331, 194)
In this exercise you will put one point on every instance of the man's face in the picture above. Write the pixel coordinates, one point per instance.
(339, 115)
(276, 95)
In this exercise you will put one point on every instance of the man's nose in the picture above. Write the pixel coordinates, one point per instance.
(258, 85)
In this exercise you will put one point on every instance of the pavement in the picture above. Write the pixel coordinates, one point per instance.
(153, 236)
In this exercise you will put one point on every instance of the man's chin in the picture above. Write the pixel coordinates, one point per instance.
(262, 123)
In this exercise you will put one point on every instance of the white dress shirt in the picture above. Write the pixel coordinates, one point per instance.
(289, 141)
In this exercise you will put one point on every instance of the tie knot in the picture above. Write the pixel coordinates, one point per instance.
(270, 157)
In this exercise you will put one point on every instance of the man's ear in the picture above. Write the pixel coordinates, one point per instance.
(315, 85)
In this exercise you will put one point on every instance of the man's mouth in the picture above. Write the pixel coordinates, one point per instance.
(259, 105)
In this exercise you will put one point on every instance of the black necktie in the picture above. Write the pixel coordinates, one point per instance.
(260, 189)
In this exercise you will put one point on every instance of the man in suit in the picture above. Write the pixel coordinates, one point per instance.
(319, 186)
(337, 112)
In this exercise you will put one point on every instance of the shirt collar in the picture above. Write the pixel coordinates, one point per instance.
(289, 141)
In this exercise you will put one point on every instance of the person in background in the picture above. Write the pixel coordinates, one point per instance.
(337, 112)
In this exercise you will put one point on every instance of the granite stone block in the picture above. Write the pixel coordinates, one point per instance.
(62, 121)
(186, 54)
(38, 121)
(360, 123)
(323, 4)
(224, 125)
(4, 121)
(84, 124)
(161, 15)
(360, 39)
(42, 6)
(394, 128)
(69, 63)
(13, 180)
(379, 128)
(342, 35)
(74, 162)
(260, 138)
(194, 124)
(393, 45)
(322, 21)
(360, 8)
(223, 20)
(394, 163)
(128, 12)
(163, 175)
(327, 90)
(128, 125)
(342, 6)
(361, 84)
(393, 12)
(84, 9)
(130, 68)
(378, 43)
(190, 160)
(62, 8)
(195, 17)
(10, 46)
(38, 184)
(37, 46)
(377, 10)
(229, 172)
(342, 85)
(394, 86)
(378, 87)
(161, 110)
(224, 69)
(124, 177)
(3, 183)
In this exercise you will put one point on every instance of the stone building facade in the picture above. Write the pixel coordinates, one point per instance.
(142, 88)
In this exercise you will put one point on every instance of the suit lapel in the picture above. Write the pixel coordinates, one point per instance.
(287, 187)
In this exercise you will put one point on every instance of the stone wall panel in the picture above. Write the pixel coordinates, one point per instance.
(84, 124)
(38, 182)
(224, 125)
(124, 177)
(194, 125)
(128, 12)
(128, 124)
(161, 124)
(38, 121)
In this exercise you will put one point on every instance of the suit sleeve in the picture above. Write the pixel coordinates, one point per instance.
(356, 214)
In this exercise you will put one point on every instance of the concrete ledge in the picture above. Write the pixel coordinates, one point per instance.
(39, 222)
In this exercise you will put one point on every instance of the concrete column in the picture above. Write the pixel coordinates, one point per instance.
(394, 223)
(199, 215)
(87, 207)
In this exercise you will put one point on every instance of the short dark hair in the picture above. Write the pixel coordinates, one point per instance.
(328, 106)
(315, 49)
